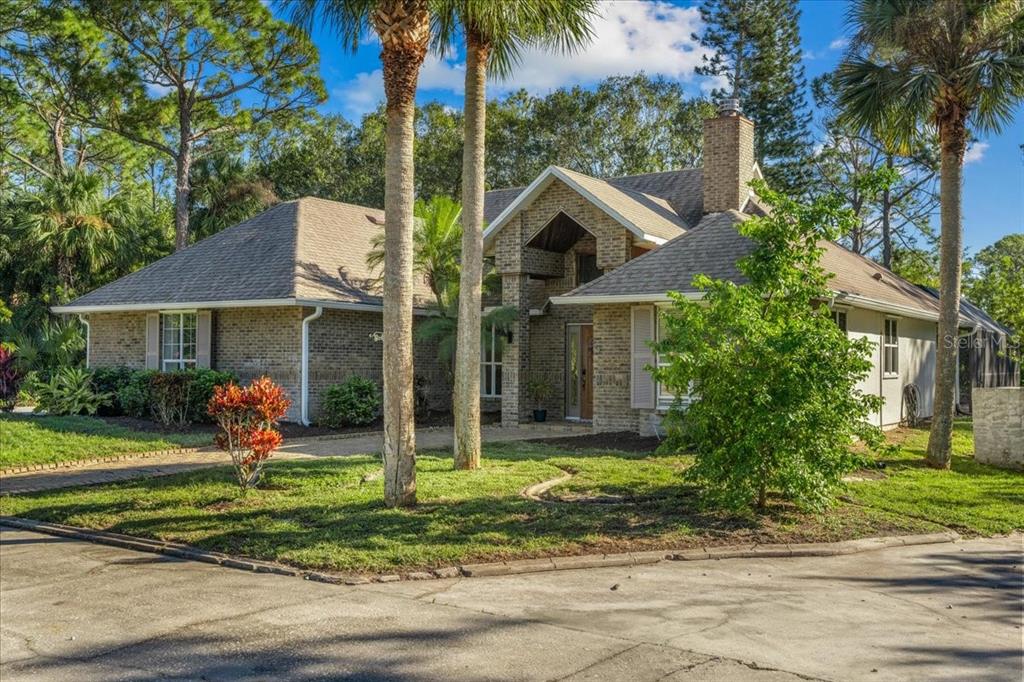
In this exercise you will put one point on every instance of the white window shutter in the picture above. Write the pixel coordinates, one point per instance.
(204, 325)
(642, 333)
(152, 340)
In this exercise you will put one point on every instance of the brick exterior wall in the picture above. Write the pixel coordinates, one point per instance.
(728, 162)
(999, 426)
(538, 345)
(341, 345)
(117, 340)
(252, 342)
(612, 359)
(255, 341)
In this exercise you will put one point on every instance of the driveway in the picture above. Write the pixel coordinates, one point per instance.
(72, 610)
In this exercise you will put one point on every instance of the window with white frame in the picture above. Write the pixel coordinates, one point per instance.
(665, 397)
(490, 365)
(177, 340)
(891, 348)
(839, 317)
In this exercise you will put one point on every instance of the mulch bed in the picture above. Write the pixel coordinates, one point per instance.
(291, 430)
(625, 441)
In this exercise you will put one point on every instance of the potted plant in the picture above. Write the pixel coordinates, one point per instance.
(538, 390)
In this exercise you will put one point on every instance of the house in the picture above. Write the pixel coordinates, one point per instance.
(586, 262)
(287, 294)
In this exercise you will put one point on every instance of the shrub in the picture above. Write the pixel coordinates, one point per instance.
(135, 397)
(247, 418)
(69, 391)
(112, 380)
(169, 396)
(11, 377)
(201, 390)
(538, 390)
(774, 378)
(352, 403)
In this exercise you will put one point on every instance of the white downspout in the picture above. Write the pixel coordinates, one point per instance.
(88, 338)
(304, 390)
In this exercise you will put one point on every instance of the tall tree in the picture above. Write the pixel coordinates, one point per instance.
(956, 64)
(756, 49)
(996, 282)
(494, 33)
(403, 28)
(185, 76)
(891, 188)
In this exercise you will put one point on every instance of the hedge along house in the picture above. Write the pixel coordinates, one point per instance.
(286, 294)
(588, 262)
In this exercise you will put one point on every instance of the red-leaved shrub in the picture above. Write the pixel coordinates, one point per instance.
(247, 417)
(10, 379)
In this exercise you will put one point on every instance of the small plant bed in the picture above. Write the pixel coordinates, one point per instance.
(35, 439)
(329, 514)
(971, 498)
(623, 441)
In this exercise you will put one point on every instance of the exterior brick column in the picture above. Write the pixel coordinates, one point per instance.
(515, 359)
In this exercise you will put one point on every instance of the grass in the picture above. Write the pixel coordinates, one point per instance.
(970, 497)
(32, 439)
(328, 513)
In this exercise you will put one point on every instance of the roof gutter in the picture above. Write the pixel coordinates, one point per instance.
(88, 338)
(840, 298)
(211, 305)
(304, 390)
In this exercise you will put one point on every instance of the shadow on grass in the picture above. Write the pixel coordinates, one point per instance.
(318, 514)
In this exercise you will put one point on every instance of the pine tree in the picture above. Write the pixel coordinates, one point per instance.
(756, 46)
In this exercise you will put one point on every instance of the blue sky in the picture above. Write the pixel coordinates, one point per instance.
(654, 36)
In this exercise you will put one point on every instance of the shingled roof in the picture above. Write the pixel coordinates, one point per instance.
(714, 247)
(681, 191)
(305, 251)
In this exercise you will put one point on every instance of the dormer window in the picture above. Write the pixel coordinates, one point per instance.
(586, 268)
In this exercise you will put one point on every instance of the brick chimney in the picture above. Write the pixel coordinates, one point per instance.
(728, 158)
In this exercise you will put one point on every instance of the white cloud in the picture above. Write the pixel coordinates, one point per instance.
(975, 153)
(628, 37)
(156, 91)
(839, 44)
(361, 94)
(650, 36)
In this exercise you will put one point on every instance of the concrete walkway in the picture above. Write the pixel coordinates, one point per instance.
(73, 610)
(162, 465)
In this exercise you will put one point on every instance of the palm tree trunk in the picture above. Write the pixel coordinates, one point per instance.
(940, 440)
(403, 27)
(467, 350)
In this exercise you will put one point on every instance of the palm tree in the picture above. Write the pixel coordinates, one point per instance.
(957, 65)
(436, 240)
(403, 28)
(74, 227)
(495, 33)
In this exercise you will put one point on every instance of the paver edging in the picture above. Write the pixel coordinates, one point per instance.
(74, 463)
(499, 568)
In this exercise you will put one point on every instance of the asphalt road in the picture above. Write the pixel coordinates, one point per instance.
(71, 610)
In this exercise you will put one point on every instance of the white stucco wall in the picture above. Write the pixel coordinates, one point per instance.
(917, 343)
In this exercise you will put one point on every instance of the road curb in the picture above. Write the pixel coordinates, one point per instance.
(482, 570)
(74, 463)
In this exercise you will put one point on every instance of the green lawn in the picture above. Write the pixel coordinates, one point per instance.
(328, 513)
(32, 439)
(322, 514)
(971, 497)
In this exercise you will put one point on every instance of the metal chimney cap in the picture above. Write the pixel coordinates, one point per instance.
(729, 106)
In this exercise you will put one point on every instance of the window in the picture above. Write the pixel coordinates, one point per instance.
(586, 268)
(177, 340)
(890, 349)
(665, 397)
(839, 317)
(490, 365)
